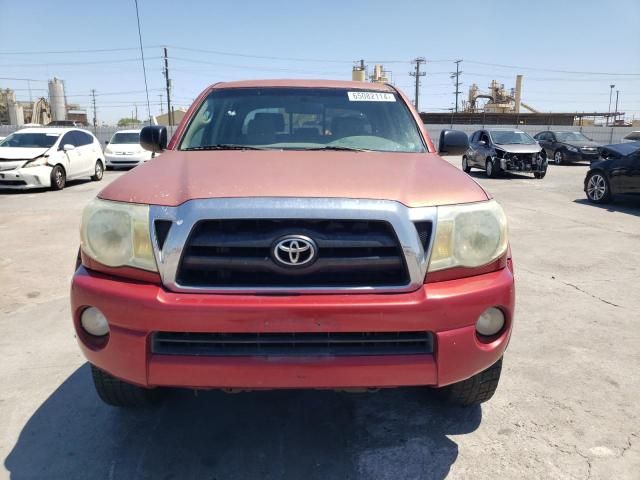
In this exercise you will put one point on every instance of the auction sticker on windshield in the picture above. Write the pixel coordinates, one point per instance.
(371, 97)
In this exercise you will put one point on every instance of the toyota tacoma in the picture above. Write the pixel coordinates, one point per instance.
(294, 234)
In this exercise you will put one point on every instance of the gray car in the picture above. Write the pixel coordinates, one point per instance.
(499, 150)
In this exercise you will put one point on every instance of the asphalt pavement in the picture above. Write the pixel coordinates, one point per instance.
(566, 407)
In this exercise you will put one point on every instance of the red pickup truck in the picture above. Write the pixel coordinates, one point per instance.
(294, 234)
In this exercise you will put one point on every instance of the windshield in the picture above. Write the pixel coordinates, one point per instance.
(502, 137)
(571, 137)
(30, 140)
(303, 119)
(124, 138)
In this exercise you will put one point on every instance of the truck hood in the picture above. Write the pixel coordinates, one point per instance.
(415, 180)
(519, 148)
(19, 153)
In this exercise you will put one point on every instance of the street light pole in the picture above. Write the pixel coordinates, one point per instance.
(615, 115)
(611, 87)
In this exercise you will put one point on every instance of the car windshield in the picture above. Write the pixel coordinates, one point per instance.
(571, 137)
(30, 140)
(303, 119)
(125, 137)
(506, 137)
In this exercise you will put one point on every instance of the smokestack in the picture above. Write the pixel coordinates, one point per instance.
(518, 92)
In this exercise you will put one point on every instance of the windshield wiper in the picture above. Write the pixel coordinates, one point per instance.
(225, 146)
(337, 148)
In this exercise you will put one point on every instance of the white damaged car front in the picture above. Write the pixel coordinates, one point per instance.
(24, 157)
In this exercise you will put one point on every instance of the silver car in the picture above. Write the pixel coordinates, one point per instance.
(499, 150)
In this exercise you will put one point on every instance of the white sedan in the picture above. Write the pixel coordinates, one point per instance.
(48, 157)
(124, 150)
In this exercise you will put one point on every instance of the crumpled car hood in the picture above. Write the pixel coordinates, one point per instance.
(518, 148)
(414, 179)
(19, 153)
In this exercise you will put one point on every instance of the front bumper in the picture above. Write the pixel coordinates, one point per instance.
(449, 309)
(112, 160)
(581, 156)
(23, 178)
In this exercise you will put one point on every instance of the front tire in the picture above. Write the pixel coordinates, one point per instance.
(540, 175)
(598, 189)
(558, 157)
(475, 390)
(465, 164)
(58, 178)
(493, 171)
(98, 172)
(118, 393)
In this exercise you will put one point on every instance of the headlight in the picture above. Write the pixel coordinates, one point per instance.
(107, 150)
(116, 234)
(469, 235)
(573, 149)
(37, 162)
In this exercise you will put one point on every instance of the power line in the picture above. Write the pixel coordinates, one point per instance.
(144, 69)
(91, 50)
(571, 72)
(62, 64)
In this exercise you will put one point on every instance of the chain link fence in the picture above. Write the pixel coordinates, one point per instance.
(604, 135)
(103, 134)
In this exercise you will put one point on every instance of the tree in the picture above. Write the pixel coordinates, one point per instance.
(123, 122)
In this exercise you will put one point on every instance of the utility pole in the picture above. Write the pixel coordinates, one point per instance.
(417, 73)
(161, 112)
(611, 87)
(456, 75)
(168, 82)
(93, 101)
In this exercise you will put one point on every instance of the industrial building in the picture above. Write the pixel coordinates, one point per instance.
(41, 111)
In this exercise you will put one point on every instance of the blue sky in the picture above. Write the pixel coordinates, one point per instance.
(322, 39)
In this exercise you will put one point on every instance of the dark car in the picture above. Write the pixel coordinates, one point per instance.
(501, 150)
(617, 172)
(567, 146)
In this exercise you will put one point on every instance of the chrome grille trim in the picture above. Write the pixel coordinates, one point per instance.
(185, 216)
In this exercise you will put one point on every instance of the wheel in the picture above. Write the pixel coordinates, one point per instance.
(99, 172)
(465, 165)
(118, 393)
(540, 175)
(598, 189)
(58, 178)
(558, 157)
(492, 170)
(475, 390)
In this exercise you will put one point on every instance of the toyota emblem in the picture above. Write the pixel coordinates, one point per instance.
(295, 251)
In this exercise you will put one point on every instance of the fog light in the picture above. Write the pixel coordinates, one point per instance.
(490, 322)
(94, 322)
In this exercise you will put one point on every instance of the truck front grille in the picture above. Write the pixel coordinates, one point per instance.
(240, 253)
(292, 344)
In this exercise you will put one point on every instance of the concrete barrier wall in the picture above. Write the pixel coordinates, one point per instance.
(602, 135)
(102, 133)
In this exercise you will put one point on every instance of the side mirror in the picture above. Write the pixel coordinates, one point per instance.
(68, 146)
(154, 138)
(453, 142)
(106, 142)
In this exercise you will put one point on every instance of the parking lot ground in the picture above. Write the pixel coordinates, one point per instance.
(567, 405)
